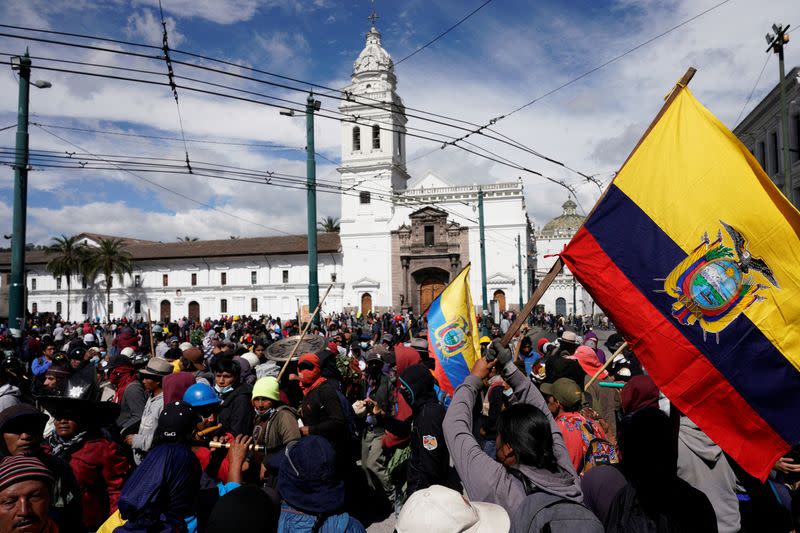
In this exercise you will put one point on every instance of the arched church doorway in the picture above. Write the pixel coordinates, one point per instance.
(561, 306)
(194, 311)
(166, 309)
(500, 296)
(366, 304)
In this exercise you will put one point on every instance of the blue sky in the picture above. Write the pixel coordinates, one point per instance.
(505, 55)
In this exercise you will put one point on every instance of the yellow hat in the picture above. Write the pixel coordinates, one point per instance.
(267, 387)
(485, 340)
(235, 318)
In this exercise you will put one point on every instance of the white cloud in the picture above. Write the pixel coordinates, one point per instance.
(283, 50)
(145, 25)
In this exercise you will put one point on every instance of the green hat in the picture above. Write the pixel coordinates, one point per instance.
(267, 387)
(566, 391)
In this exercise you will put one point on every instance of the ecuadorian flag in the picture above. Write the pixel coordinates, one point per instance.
(453, 333)
(695, 256)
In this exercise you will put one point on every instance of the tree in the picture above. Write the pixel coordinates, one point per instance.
(329, 225)
(187, 239)
(109, 258)
(68, 257)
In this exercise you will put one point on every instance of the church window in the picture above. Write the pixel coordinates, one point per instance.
(286, 276)
(223, 278)
(428, 235)
(761, 153)
(165, 280)
(376, 136)
(84, 307)
(58, 308)
(364, 197)
(33, 284)
(399, 144)
(356, 138)
(253, 277)
(137, 280)
(58, 283)
(223, 306)
(254, 305)
(194, 279)
(137, 306)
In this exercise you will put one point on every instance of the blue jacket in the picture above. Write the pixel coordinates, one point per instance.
(295, 521)
(39, 366)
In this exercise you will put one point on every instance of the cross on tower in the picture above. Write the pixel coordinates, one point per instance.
(373, 16)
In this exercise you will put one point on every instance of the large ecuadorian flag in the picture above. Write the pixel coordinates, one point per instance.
(695, 256)
(453, 333)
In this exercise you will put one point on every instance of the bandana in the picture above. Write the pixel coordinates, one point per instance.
(310, 379)
(64, 447)
(589, 361)
(120, 377)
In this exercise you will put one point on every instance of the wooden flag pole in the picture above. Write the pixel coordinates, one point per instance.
(535, 297)
(303, 333)
(605, 365)
(150, 332)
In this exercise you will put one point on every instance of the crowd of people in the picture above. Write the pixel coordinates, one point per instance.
(192, 426)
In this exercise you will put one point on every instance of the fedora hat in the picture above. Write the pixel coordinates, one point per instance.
(157, 368)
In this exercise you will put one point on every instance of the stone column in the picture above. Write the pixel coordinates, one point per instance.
(405, 262)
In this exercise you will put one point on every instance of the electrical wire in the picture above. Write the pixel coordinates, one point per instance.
(496, 119)
(8, 127)
(448, 30)
(753, 90)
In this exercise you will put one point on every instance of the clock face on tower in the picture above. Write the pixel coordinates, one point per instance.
(367, 63)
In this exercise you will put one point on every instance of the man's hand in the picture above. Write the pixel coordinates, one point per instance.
(504, 357)
(129, 439)
(304, 431)
(482, 368)
(787, 466)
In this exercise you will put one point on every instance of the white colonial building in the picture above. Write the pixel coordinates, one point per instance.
(402, 239)
(564, 296)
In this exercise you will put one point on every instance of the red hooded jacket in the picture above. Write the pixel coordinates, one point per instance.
(405, 357)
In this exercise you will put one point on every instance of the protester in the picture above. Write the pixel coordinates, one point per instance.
(312, 490)
(151, 376)
(25, 494)
(275, 423)
(236, 415)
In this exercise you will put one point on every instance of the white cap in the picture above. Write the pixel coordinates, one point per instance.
(251, 358)
(88, 338)
(128, 352)
(185, 346)
(438, 509)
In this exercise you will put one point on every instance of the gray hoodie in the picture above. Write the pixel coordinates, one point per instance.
(485, 479)
(702, 464)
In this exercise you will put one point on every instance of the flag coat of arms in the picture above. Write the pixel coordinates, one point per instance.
(694, 254)
(452, 333)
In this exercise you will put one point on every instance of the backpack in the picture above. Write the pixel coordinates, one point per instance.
(598, 451)
(542, 512)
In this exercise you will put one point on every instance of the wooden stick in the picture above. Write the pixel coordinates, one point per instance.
(605, 365)
(535, 297)
(208, 430)
(150, 332)
(303, 334)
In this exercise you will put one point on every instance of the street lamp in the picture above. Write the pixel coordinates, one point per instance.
(16, 296)
(776, 43)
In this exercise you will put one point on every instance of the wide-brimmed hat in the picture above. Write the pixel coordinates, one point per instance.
(78, 398)
(157, 368)
(307, 477)
(437, 509)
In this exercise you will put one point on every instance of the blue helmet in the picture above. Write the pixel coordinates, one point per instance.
(200, 394)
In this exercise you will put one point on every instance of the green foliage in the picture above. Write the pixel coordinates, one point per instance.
(329, 225)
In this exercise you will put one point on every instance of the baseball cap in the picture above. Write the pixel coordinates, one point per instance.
(566, 391)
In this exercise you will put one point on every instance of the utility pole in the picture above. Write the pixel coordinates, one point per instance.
(311, 205)
(519, 271)
(16, 296)
(483, 250)
(776, 43)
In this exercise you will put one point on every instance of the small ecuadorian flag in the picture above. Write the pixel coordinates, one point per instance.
(695, 256)
(453, 333)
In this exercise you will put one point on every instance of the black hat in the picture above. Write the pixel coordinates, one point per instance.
(78, 398)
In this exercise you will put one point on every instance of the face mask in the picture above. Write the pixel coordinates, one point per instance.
(267, 413)
(508, 392)
(225, 390)
(94, 360)
(364, 345)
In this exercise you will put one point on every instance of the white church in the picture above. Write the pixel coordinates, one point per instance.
(401, 239)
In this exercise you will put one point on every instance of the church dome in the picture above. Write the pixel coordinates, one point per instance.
(566, 224)
(373, 58)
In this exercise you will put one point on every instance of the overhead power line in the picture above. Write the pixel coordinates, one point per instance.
(445, 32)
(753, 90)
(496, 119)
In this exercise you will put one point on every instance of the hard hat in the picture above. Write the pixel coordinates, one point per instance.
(200, 394)
(485, 340)
(267, 387)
